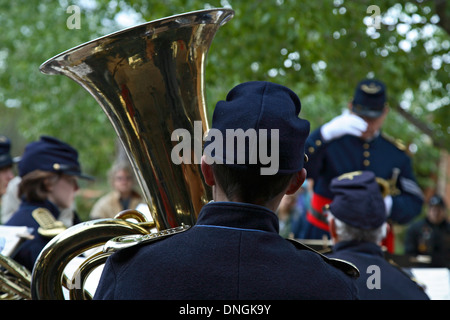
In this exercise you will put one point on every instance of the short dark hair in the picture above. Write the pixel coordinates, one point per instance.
(249, 186)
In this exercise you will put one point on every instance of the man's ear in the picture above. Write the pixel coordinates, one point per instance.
(207, 173)
(296, 181)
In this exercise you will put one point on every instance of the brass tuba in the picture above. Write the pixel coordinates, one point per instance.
(149, 80)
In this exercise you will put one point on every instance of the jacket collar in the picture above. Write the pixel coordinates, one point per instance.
(238, 215)
(360, 247)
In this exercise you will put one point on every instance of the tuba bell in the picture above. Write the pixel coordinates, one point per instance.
(149, 81)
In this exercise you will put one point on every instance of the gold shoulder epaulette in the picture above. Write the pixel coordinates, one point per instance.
(396, 142)
(48, 225)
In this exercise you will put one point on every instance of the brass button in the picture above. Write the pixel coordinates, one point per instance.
(366, 154)
(366, 146)
(311, 150)
(318, 143)
(366, 163)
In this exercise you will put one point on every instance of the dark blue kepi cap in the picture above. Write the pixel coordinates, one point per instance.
(51, 154)
(5, 155)
(369, 99)
(357, 200)
(261, 107)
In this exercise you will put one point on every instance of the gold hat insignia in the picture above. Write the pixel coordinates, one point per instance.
(349, 175)
(372, 88)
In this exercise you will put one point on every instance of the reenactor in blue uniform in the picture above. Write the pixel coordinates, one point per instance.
(357, 219)
(431, 234)
(354, 141)
(48, 168)
(234, 251)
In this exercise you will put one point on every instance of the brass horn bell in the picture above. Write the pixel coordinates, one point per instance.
(149, 80)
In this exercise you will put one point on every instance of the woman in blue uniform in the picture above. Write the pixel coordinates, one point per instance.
(49, 169)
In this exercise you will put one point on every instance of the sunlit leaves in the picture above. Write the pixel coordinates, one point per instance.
(320, 49)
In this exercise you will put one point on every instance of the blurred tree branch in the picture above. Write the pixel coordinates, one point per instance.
(442, 7)
(422, 126)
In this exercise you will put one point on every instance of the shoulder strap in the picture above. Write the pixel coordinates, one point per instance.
(48, 225)
(348, 268)
(127, 241)
(399, 144)
(407, 274)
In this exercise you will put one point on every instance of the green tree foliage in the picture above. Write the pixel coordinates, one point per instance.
(320, 49)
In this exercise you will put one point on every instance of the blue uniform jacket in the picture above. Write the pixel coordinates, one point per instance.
(233, 252)
(393, 283)
(30, 249)
(328, 160)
